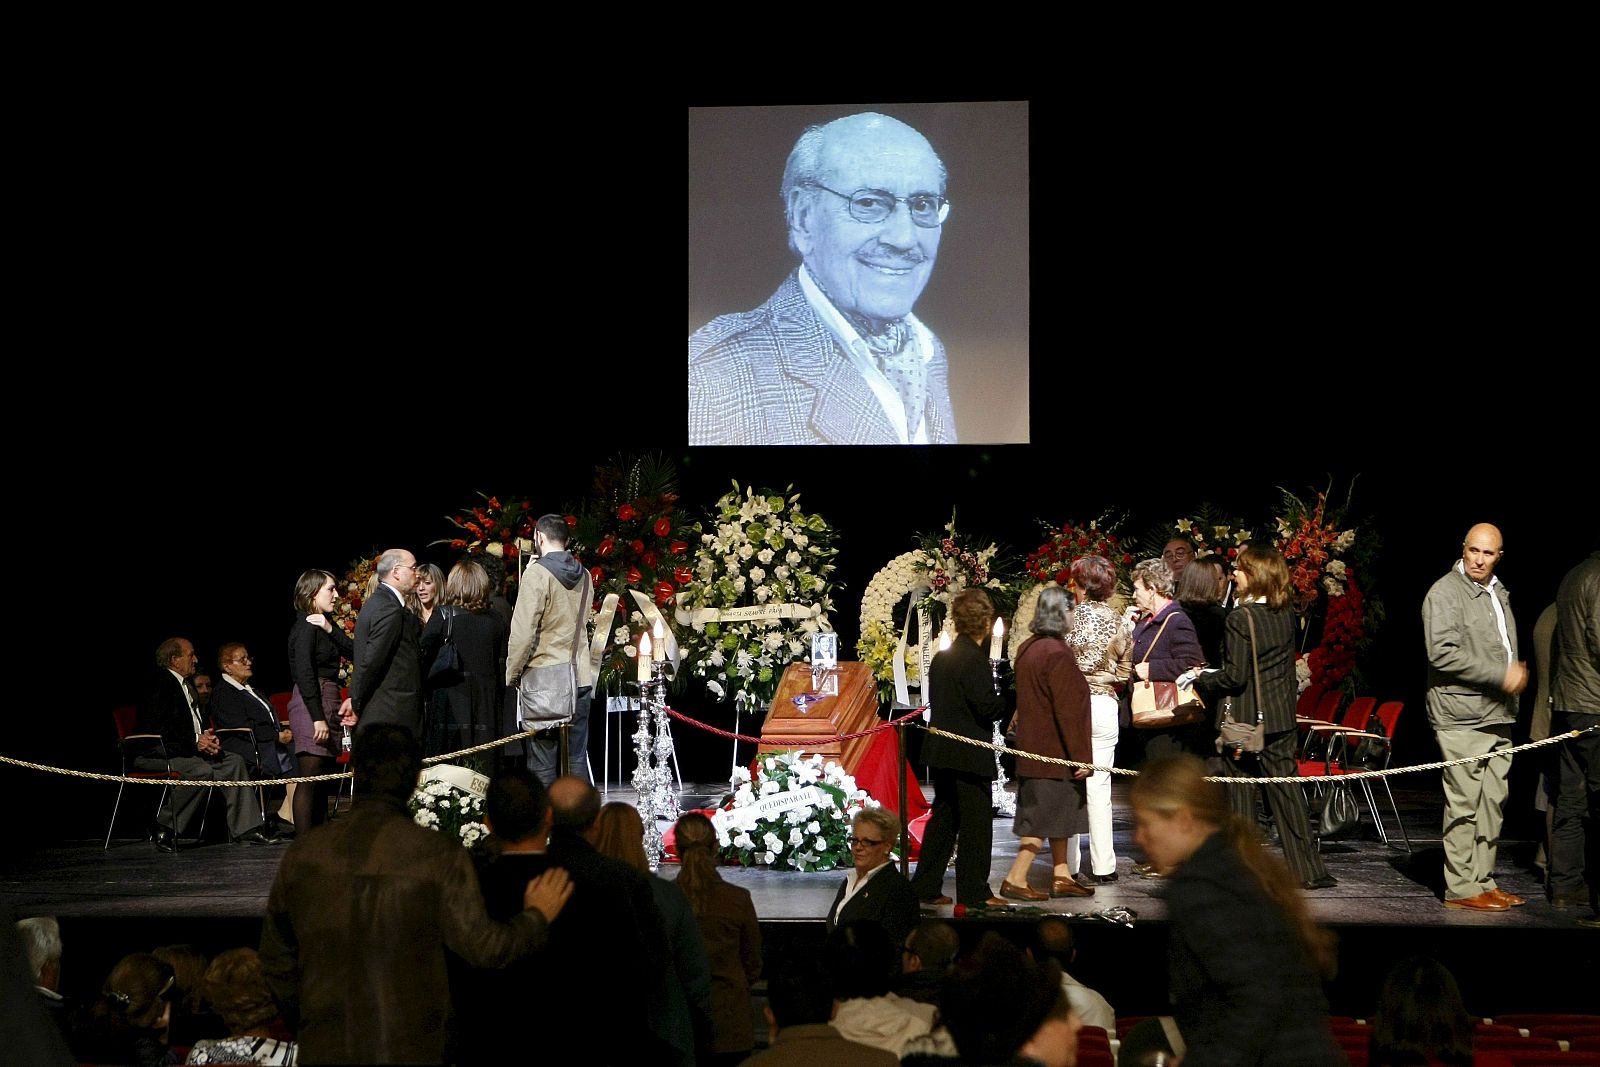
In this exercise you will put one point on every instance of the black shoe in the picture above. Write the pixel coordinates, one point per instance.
(166, 841)
(280, 829)
(1327, 881)
(1575, 899)
(253, 837)
(1085, 878)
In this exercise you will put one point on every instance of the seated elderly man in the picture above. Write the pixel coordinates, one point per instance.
(874, 889)
(247, 724)
(192, 750)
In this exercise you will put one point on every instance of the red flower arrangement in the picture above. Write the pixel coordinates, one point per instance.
(1324, 565)
(630, 535)
(503, 530)
(1052, 561)
(1343, 635)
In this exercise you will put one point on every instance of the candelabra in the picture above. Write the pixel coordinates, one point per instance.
(1001, 798)
(652, 774)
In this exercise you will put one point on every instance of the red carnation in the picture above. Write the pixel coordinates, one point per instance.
(626, 513)
(663, 527)
(458, 543)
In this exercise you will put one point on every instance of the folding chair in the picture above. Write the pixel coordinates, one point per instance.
(132, 746)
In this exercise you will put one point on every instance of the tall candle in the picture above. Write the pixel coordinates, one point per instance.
(644, 657)
(944, 640)
(998, 641)
(658, 647)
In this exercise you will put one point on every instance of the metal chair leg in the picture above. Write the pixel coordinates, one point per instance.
(1396, 809)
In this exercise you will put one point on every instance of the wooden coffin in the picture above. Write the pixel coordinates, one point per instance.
(799, 715)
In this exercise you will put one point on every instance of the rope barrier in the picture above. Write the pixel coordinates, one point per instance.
(818, 741)
(253, 782)
(1282, 779)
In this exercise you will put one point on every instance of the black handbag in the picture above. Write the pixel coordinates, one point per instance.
(446, 667)
(1338, 812)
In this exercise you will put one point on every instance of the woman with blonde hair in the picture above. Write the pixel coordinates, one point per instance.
(727, 919)
(237, 990)
(464, 710)
(1245, 960)
(1258, 673)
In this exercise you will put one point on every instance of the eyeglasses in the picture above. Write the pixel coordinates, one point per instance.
(928, 210)
(240, 659)
(405, 566)
(867, 841)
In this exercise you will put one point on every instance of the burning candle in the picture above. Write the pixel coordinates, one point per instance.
(997, 642)
(658, 647)
(644, 657)
(944, 640)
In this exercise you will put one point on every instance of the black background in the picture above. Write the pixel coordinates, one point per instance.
(286, 339)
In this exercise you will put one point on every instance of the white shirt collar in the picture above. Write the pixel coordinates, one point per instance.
(850, 340)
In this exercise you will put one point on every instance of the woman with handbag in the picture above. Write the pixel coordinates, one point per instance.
(1052, 720)
(465, 652)
(1258, 672)
(1164, 647)
(1245, 960)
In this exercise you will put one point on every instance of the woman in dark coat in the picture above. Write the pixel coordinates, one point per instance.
(315, 648)
(1261, 579)
(732, 936)
(1245, 961)
(961, 694)
(1052, 720)
(875, 889)
(236, 704)
(465, 710)
(1199, 592)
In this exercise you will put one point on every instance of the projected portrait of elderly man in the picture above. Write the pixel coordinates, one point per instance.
(835, 356)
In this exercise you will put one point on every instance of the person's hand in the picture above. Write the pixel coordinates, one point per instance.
(1081, 773)
(1142, 669)
(319, 732)
(347, 713)
(548, 893)
(208, 744)
(320, 620)
(285, 737)
(1516, 677)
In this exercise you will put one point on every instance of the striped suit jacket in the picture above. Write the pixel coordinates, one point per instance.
(777, 376)
(1275, 633)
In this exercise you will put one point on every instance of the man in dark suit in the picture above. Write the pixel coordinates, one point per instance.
(387, 683)
(191, 749)
(611, 921)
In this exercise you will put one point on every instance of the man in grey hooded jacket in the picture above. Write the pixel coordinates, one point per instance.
(547, 659)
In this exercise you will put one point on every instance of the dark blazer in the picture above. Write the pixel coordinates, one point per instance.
(961, 693)
(887, 899)
(1243, 989)
(313, 656)
(387, 683)
(1275, 650)
(1207, 620)
(232, 708)
(165, 711)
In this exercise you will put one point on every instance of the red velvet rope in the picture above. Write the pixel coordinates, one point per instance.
(817, 741)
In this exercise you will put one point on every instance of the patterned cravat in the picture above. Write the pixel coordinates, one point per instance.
(901, 363)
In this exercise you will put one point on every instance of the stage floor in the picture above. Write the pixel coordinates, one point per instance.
(1387, 905)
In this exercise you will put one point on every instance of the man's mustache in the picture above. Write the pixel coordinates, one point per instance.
(895, 261)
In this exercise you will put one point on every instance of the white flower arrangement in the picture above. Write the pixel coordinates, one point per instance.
(810, 834)
(449, 799)
(734, 568)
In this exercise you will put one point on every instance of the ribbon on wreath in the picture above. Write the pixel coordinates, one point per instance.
(755, 613)
(902, 688)
(606, 618)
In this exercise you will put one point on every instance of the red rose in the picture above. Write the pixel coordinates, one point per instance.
(663, 593)
(607, 547)
(663, 527)
(625, 513)
(572, 521)
(1062, 576)
(636, 545)
(649, 558)
(634, 577)
(683, 576)
(678, 548)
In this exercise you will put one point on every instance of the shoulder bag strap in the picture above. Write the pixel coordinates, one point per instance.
(1159, 632)
(1255, 663)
